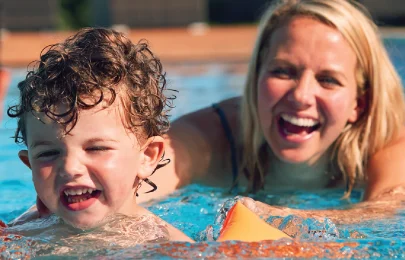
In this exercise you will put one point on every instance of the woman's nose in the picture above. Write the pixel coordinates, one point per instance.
(302, 95)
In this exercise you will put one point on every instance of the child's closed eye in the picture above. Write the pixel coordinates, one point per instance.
(98, 148)
(47, 154)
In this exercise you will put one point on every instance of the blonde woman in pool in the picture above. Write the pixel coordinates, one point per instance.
(323, 107)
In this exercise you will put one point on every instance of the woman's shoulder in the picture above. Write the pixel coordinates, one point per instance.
(392, 149)
(209, 122)
(199, 142)
(230, 107)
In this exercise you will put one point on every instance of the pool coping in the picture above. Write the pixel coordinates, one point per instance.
(173, 45)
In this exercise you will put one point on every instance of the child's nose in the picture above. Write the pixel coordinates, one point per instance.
(71, 167)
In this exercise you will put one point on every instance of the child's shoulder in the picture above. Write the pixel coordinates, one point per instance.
(174, 233)
(29, 215)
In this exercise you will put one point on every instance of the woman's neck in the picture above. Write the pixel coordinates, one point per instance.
(284, 176)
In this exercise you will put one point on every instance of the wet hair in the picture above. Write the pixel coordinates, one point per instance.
(93, 66)
(377, 80)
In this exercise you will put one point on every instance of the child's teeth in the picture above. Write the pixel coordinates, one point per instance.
(75, 200)
(71, 192)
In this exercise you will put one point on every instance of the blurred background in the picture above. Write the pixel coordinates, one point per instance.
(199, 24)
(23, 15)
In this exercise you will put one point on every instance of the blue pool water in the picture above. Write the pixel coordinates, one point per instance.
(195, 208)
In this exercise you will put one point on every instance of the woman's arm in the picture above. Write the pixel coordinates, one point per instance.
(386, 206)
(386, 169)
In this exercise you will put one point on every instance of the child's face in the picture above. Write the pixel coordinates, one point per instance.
(91, 172)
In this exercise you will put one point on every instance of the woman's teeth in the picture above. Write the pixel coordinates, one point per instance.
(304, 122)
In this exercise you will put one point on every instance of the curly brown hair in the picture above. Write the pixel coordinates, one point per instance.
(90, 67)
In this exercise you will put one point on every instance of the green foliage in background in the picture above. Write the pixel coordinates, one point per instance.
(74, 14)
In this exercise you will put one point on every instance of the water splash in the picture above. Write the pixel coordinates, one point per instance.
(211, 232)
(199, 211)
(297, 227)
(265, 249)
(51, 236)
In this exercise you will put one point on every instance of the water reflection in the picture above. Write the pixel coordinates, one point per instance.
(52, 236)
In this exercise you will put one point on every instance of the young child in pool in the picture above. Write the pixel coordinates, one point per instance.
(91, 114)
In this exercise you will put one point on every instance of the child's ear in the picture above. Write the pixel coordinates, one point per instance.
(152, 153)
(23, 154)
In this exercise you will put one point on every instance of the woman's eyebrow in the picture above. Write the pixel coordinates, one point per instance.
(278, 60)
(281, 61)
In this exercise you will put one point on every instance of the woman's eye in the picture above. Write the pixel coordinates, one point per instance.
(329, 81)
(47, 154)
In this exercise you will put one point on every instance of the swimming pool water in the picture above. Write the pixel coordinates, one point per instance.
(195, 208)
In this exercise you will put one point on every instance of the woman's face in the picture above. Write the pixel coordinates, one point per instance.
(307, 90)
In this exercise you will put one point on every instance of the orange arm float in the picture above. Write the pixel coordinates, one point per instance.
(4, 82)
(244, 225)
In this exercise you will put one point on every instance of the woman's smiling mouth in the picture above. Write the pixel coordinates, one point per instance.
(296, 128)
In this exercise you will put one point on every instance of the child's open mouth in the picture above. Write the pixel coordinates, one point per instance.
(296, 126)
(79, 198)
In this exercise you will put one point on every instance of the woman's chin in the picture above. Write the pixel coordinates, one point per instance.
(294, 157)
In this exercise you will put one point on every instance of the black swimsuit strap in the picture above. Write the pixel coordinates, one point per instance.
(229, 136)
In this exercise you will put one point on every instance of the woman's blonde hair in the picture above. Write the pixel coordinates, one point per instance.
(377, 79)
